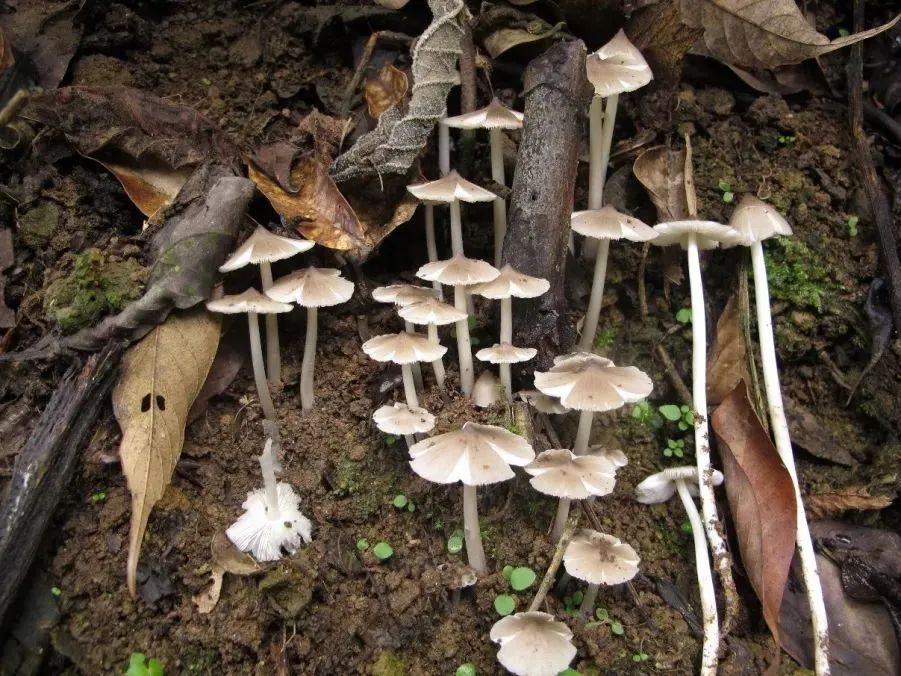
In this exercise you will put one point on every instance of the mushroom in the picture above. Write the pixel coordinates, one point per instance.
(404, 348)
(311, 288)
(404, 294)
(661, 487)
(433, 313)
(506, 354)
(598, 558)
(403, 419)
(495, 117)
(542, 402)
(612, 455)
(754, 221)
(533, 644)
(508, 284)
(264, 248)
(485, 392)
(604, 224)
(253, 303)
(476, 455)
(460, 272)
(272, 522)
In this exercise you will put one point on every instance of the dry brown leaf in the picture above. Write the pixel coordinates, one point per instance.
(387, 89)
(728, 364)
(834, 503)
(161, 376)
(148, 187)
(226, 559)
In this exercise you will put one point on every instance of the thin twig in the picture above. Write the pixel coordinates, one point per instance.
(13, 106)
(353, 85)
(673, 375)
(551, 572)
(744, 314)
(642, 289)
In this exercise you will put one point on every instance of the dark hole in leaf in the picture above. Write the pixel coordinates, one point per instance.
(145, 403)
(161, 402)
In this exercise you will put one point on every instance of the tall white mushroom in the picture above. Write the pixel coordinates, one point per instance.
(475, 455)
(533, 644)
(598, 558)
(661, 487)
(311, 288)
(433, 313)
(264, 248)
(405, 349)
(403, 419)
(400, 295)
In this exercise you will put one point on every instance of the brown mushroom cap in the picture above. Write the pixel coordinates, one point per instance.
(608, 223)
(505, 353)
(617, 67)
(598, 558)
(402, 419)
(402, 294)
(458, 271)
(511, 283)
(403, 348)
(248, 301)
(431, 311)
(588, 382)
(754, 221)
(709, 234)
(264, 247)
(449, 189)
(563, 474)
(533, 644)
(493, 116)
(312, 287)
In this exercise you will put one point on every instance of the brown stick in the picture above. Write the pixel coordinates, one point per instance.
(467, 97)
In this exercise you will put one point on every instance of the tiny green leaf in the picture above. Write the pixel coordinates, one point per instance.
(507, 572)
(724, 185)
(383, 551)
(685, 527)
(683, 316)
(602, 614)
(391, 439)
(521, 578)
(56, 591)
(670, 412)
(577, 598)
(362, 545)
(466, 669)
(728, 196)
(455, 544)
(617, 629)
(504, 604)
(400, 501)
(569, 671)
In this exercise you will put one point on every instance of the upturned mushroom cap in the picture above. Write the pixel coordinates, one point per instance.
(265, 538)
(512, 283)
(660, 487)
(493, 116)
(312, 287)
(617, 67)
(754, 221)
(402, 419)
(505, 353)
(608, 223)
(403, 348)
(542, 402)
(563, 474)
(248, 301)
(265, 247)
(449, 189)
(533, 644)
(486, 390)
(588, 382)
(598, 558)
(612, 455)
(402, 294)
(458, 271)
(475, 454)
(431, 311)
(709, 234)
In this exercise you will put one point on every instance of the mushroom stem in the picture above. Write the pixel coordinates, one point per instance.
(588, 601)
(560, 519)
(308, 365)
(430, 245)
(443, 149)
(783, 446)
(710, 650)
(259, 371)
(583, 433)
(606, 144)
(456, 224)
(464, 348)
(273, 351)
(409, 386)
(438, 364)
(410, 439)
(596, 170)
(496, 141)
(590, 327)
(474, 551)
(417, 371)
(507, 337)
(267, 467)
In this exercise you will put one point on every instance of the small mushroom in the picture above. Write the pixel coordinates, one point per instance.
(612, 455)
(542, 402)
(486, 391)
(400, 295)
(311, 288)
(598, 558)
(264, 248)
(403, 419)
(475, 455)
(253, 303)
(433, 313)
(533, 644)
(404, 348)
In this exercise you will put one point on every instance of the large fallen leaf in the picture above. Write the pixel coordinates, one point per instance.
(385, 90)
(161, 376)
(506, 39)
(835, 503)
(761, 499)
(49, 33)
(728, 364)
(811, 434)
(762, 33)
(226, 559)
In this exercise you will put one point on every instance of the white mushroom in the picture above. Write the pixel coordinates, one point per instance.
(433, 313)
(533, 644)
(612, 455)
(405, 349)
(598, 558)
(403, 419)
(486, 391)
(542, 402)
(405, 294)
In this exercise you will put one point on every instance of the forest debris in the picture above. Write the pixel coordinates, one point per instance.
(880, 319)
(226, 559)
(228, 362)
(385, 90)
(662, 172)
(47, 33)
(834, 503)
(501, 28)
(7, 258)
(663, 38)
(161, 377)
(813, 436)
(728, 363)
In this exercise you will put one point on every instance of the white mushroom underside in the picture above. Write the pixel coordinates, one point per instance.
(269, 539)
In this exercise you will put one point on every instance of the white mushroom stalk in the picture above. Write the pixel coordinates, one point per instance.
(433, 313)
(405, 349)
(403, 419)
(599, 559)
(401, 295)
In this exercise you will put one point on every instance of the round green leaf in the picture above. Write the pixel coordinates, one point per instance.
(455, 544)
(617, 629)
(362, 545)
(466, 669)
(504, 604)
(383, 551)
(522, 578)
(670, 412)
(506, 572)
(400, 501)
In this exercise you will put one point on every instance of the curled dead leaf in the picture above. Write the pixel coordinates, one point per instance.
(728, 364)
(226, 559)
(834, 503)
(385, 90)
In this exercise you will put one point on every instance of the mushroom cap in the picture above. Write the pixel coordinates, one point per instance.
(265, 538)
(312, 287)
(608, 223)
(542, 402)
(754, 221)
(458, 271)
(509, 282)
(474, 454)
(588, 382)
(493, 116)
(709, 234)
(533, 644)
(402, 294)
(248, 301)
(431, 311)
(402, 419)
(403, 348)
(505, 353)
(563, 474)
(265, 247)
(449, 189)
(612, 455)
(660, 487)
(598, 558)
(617, 67)
(486, 390)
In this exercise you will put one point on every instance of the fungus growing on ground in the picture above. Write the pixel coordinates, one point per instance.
(253, 303)
(475, 455)
(495, 117)
(433, 313)
(400, 295)
(486, 391)
(264, 248)
(399, 418)
(533, 644)
(311, 288)
(661, 487)
(405, 349)
(598, 559)
(612, 455)
(272, 523)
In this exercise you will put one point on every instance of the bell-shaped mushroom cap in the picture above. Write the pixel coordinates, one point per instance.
(457, 271)
(608, 223)
(509, 283)
(248, 301)
(533, 644)
(588, 382)
(403, 348)
(403, 419)
(402, 294)
(493, 116)
(542, 402)
(754, 221)
(505, 353)
(598, 558)
(612, 455)
(267, 539)
(431, 311)
(449, 189)
(563, 474)
(661, 487)
(265, 247)
(617, 67)
(312, 287)
(709, 234)
(486, 390)
(475, 454)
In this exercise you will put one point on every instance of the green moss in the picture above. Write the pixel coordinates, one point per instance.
(604, 339)
(36, 226)
(389, 663)
(796, 274)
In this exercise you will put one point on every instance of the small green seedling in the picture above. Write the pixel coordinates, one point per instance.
(362, 545)
(98, 497)
(675, 448)
(507, 571)
(683, 316)
(726, 189)
(504, 604)
(391, 439)
(603, 617)
(466, 669)
(853, 220)
(521, 578)
(138, 665)
(786, 140)
(383, 551)
(640, 656)
(643, 413)
(401, 501)
(455, 542)
(682, 415)
(56, 591)
(604, 339)
(569, 671)
(572, 603)
(685, 527)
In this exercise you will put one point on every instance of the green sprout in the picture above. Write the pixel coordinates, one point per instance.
(643, 413)
(401, 501)
(682, 415)
(466, 669)
(685, 527)
(675, 448)
(726, 188)
(98, 497)
(521, 578)
(455, 542)
(603, 617)
(504, 604)
(640, 656)
(56, 591)
(391, 439)
(853, 220)
(383, 551)
(683, 316)
(362, 545)
(572, 603)
(604, 339)
(786, 140)
(138, 665)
